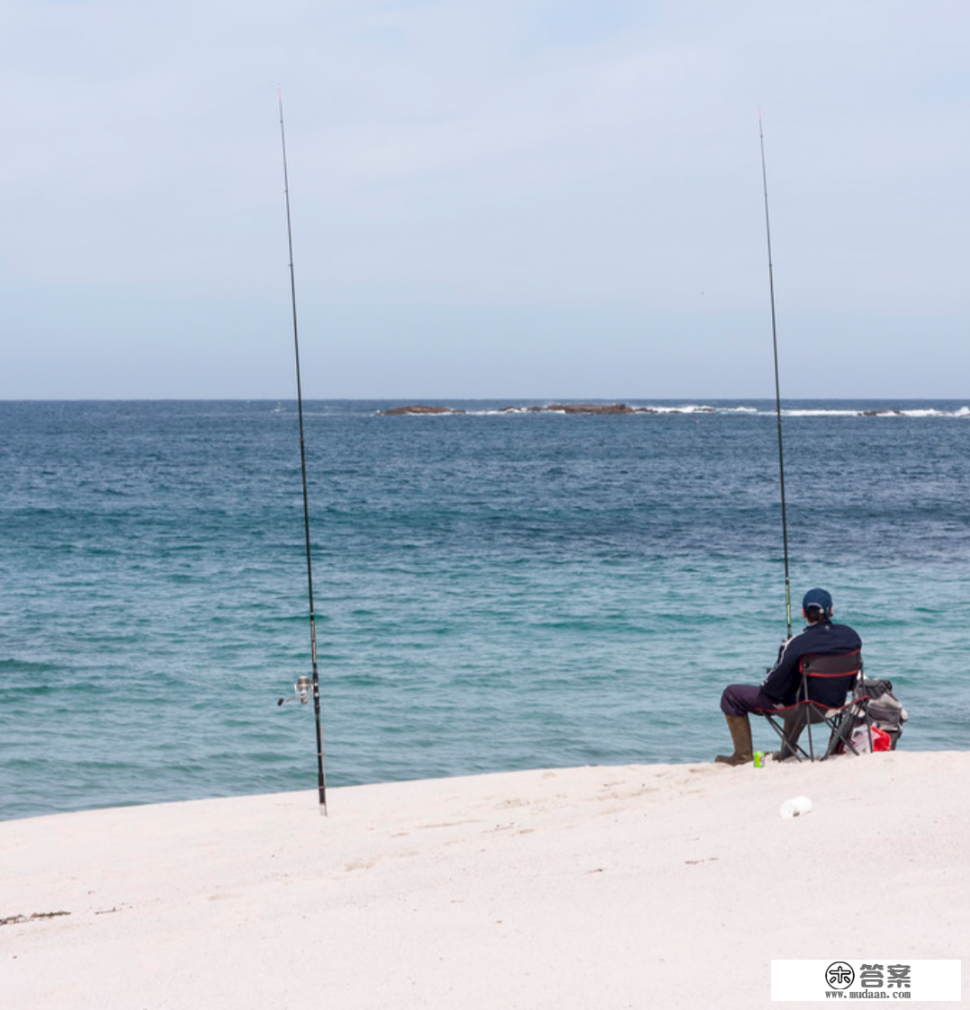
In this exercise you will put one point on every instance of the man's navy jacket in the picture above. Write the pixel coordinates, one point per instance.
(823, 639)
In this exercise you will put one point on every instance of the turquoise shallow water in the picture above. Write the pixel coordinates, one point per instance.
(494, 591)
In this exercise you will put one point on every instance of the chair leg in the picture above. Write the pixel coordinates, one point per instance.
(842, 728)
(840, 736)
(789, 741)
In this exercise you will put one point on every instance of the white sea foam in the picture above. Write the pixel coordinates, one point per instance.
(700, 408)
(688, 408)
(876, 412)
(800, 412)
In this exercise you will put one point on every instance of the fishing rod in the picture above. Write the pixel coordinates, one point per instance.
(774, 340)
(302, 688)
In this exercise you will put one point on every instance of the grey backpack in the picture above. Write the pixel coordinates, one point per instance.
(883, 707)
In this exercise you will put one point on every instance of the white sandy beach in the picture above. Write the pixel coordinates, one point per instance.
(600, 888)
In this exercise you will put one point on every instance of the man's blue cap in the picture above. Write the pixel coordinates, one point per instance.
(818, 599)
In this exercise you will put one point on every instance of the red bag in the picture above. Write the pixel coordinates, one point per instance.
(881, 740)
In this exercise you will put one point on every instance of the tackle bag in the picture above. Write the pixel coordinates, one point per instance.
(885, 713)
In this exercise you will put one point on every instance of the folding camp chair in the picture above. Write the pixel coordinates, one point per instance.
(830, 694)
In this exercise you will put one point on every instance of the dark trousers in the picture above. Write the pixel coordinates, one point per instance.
(742, 699)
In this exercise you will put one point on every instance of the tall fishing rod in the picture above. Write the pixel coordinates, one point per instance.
(301, 685)
(774, 340)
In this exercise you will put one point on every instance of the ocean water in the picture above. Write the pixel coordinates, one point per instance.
(494, 590)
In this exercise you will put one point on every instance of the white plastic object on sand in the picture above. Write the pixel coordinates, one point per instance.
(797, 807)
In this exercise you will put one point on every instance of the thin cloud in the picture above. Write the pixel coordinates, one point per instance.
(559, 168)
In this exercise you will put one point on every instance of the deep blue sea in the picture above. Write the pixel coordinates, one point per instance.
(493, 590)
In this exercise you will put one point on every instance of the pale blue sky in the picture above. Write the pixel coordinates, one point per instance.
(512, 198)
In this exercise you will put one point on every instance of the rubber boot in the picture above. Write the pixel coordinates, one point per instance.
(740, 729)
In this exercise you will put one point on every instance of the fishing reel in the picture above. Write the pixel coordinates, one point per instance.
(302, 691)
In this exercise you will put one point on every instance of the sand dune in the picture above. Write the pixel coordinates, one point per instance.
(639, 886)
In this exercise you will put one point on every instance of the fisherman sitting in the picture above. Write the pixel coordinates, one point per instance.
(780, 687)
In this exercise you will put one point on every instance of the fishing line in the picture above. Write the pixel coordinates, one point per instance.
(774, 340)
(302, 688)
